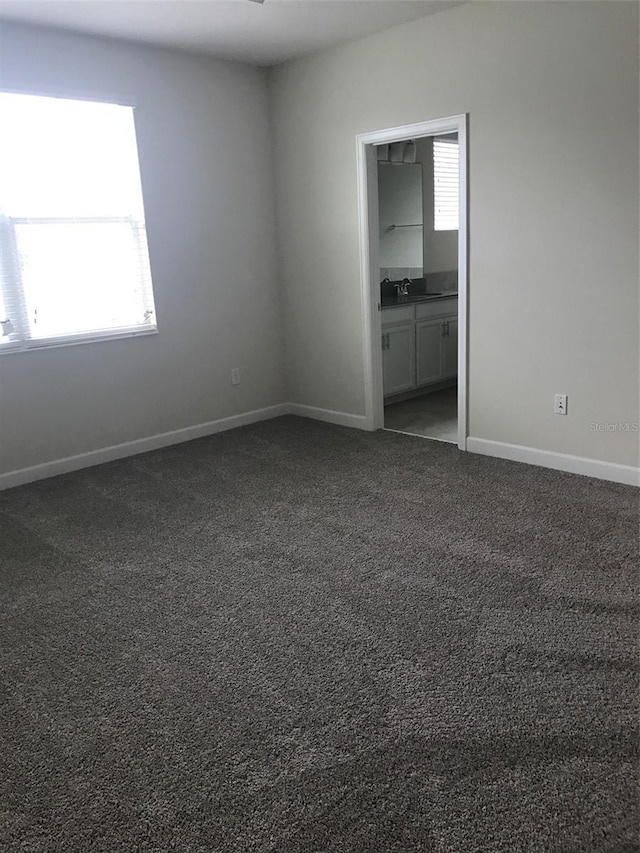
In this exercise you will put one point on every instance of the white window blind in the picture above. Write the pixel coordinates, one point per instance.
(446, 182)
(74, 263)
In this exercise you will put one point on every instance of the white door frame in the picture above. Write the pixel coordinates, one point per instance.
(370, 267)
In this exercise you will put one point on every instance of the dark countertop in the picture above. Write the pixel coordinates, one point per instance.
(394, 302)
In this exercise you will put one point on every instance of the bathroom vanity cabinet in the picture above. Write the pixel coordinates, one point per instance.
(398, 358)
(419, 344)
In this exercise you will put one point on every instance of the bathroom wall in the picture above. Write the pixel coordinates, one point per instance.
(439, 261)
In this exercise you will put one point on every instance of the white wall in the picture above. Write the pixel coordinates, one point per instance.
(552, 93)
(203, 135)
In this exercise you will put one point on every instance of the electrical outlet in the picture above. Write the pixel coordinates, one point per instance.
(560, 404)
(235, 375)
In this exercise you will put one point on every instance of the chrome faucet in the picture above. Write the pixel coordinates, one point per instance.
(402, 289)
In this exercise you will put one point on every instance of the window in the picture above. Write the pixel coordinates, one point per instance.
(74, 264)
(445, 184)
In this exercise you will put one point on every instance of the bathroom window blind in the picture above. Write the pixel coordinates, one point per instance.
(446, 183)
(74, 263)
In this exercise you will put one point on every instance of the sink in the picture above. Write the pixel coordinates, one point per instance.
(417, 297)
(391, 301)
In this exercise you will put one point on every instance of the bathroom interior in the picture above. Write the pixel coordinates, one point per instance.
(418, 250)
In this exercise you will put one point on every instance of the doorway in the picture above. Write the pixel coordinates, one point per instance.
(412, 184)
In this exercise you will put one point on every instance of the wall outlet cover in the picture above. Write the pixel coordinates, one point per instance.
(560, 404)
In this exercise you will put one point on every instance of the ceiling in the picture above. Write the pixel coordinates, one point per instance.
(232, 29)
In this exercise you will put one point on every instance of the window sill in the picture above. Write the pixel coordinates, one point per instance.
(73, 340)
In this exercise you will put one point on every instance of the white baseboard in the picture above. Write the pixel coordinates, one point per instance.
(141, 445)
(154, 442)
(626, 474)
(328, 415)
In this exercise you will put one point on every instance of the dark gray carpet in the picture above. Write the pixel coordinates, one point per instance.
(300, 638)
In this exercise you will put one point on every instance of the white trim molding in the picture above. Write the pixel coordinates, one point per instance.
(329, 416)
(530, 455)
(369, 262)
(133, 448)
(22, 476)
(597, 468)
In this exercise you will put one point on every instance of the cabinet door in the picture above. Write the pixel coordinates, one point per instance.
(429, 338)
(398, 359)
(450, 348)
